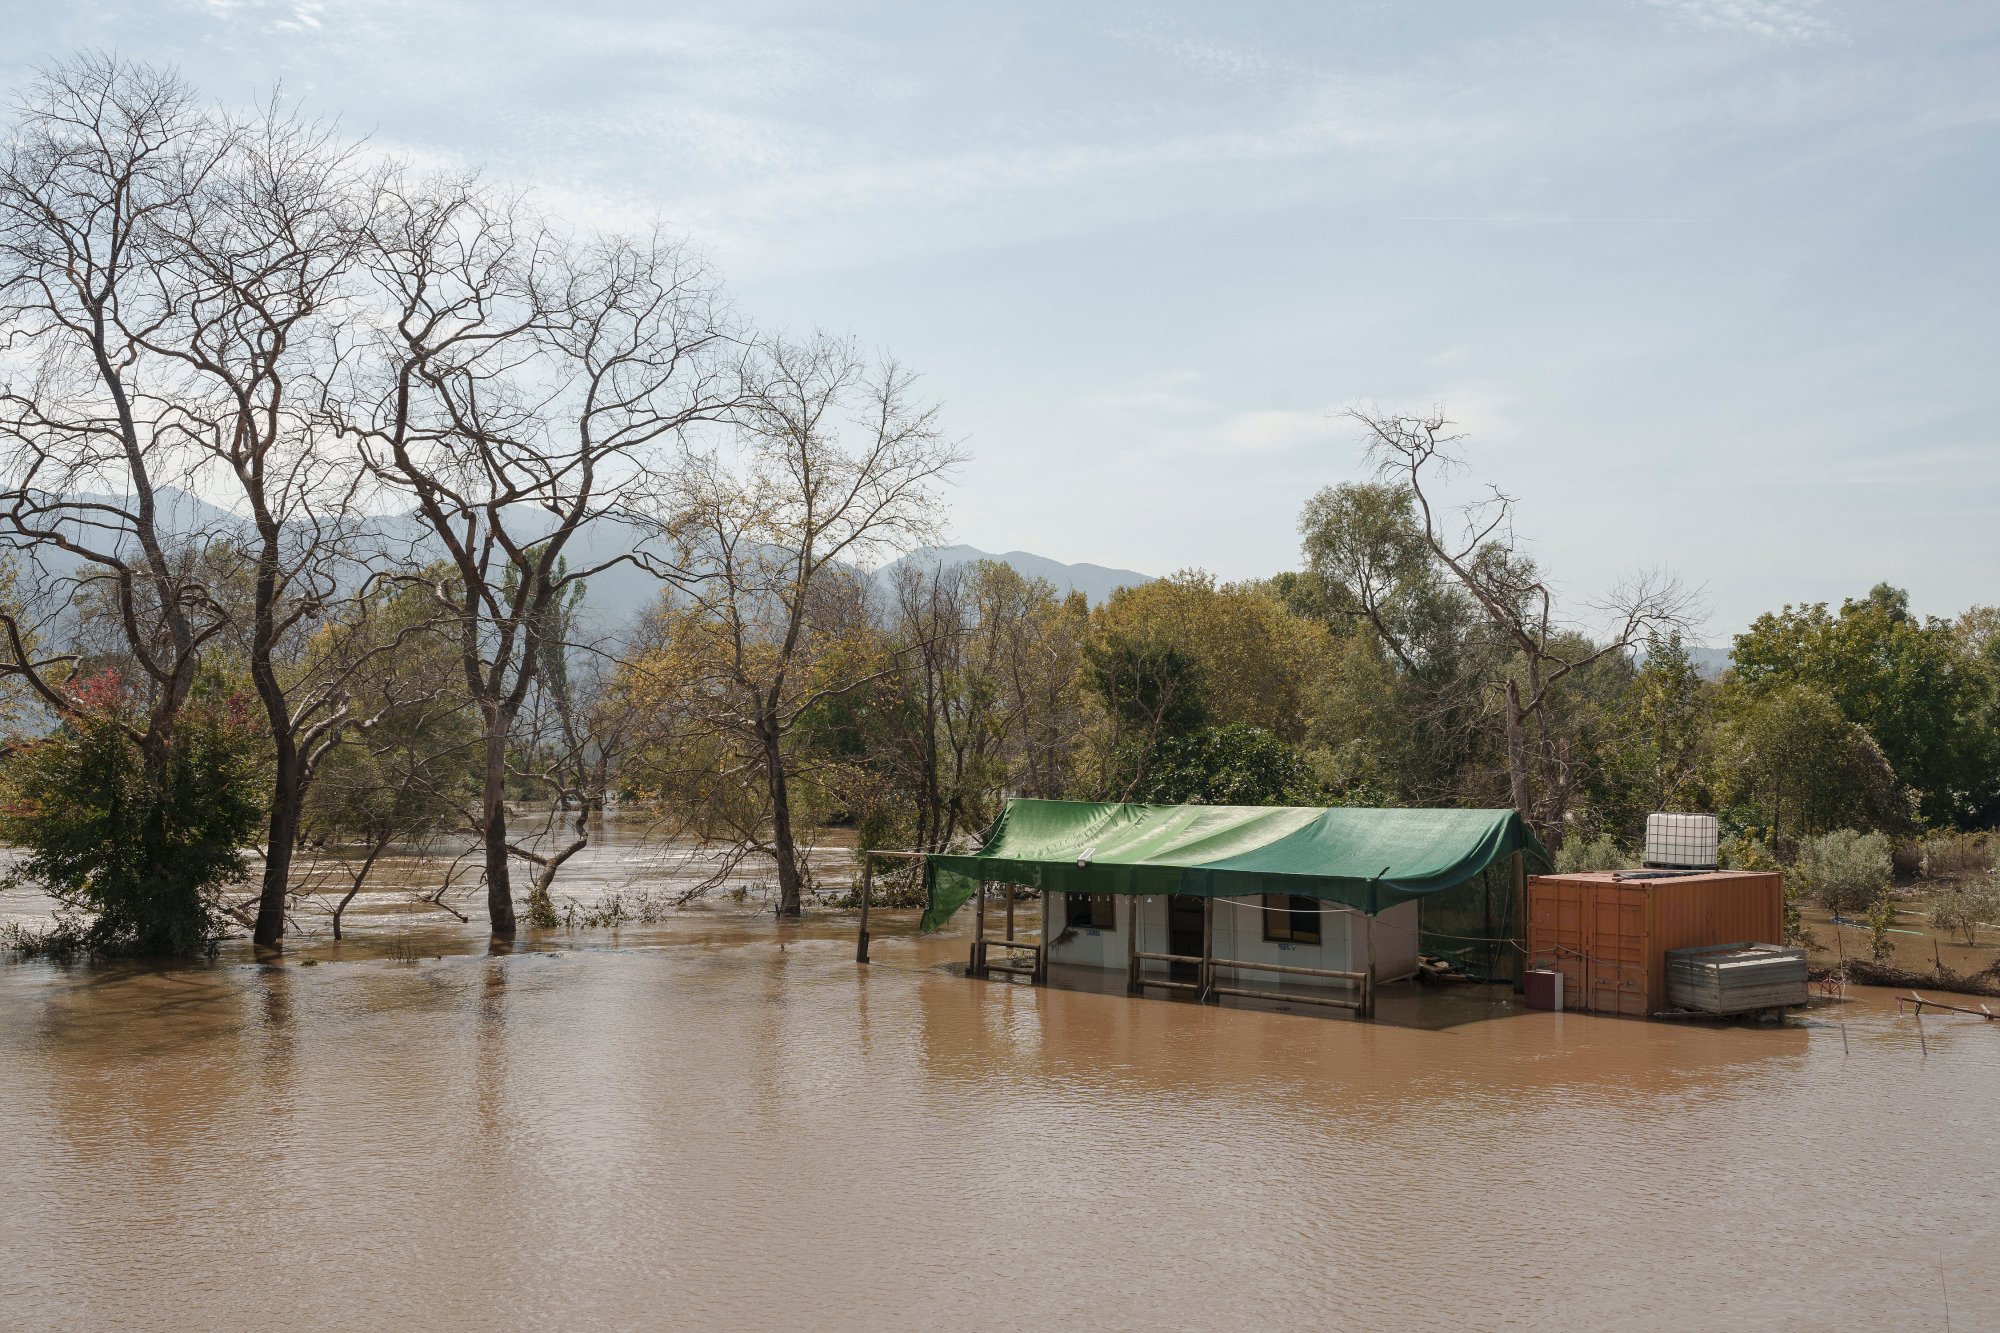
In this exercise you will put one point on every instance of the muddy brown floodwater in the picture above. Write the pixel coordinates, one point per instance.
(721, 1123)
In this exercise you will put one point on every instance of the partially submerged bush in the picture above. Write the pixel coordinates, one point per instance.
(616, 908)
(1882, 920)
(1957, 856)
(134, 841)
(1845, 871)
(1964, 909)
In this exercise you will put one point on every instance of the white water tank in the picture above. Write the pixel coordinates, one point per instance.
(1681, 842)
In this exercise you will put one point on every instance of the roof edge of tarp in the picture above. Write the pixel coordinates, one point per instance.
(1367, 858)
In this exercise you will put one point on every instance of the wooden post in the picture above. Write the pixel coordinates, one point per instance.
(1010, 913)
(1131, 943)
(976, 965)
(1517, 924)
(867, 882)
(1205, 974)
(1042, 954)
(1368, 986)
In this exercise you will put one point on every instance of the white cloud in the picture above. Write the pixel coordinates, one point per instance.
(1781, 20)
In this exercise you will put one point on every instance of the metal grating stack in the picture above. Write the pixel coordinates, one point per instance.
(1735, 978)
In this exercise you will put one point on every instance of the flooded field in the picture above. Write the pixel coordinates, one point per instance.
(720, 1122)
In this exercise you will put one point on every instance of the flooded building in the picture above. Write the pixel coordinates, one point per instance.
(1305, 904)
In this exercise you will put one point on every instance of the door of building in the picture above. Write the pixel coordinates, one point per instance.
(1184, 934)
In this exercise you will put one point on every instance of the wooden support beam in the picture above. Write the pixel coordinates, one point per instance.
(975, 966)
(1368, 985)
(1205, 974)
(1331, 974)
(1010, 911)
(1131, 942)
(1292, 997)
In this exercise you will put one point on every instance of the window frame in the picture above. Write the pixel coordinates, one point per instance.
(1282, 913)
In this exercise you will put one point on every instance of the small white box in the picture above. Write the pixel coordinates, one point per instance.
(1681, 842)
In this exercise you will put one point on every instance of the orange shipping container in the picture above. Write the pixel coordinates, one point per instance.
(1608, 932)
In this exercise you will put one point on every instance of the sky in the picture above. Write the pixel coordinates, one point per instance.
(1709, 285)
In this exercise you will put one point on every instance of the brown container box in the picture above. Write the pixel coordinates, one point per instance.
(1608, 932)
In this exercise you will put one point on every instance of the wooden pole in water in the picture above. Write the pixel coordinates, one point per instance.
(867, 882)
(976, 964)
(1131, 942)
(1010, 914)
(1368, 987)
(1205, 974)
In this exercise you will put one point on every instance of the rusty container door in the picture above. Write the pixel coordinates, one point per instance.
(1620, 949)
(1558, 939)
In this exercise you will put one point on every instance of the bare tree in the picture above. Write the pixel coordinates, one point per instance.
(569, 740)
(835, 465)
(1476, 546)
(990, 668)
(97, 436)
(263, 258)
(525, 383)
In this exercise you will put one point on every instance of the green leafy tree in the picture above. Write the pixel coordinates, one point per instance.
(1233, 765)
(1150, 690)
(1788, 752)
(136, 848)
(1925, 700)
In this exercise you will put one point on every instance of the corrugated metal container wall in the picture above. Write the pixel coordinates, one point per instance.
(1558, 932)
(1737, 908)
(1609, 935)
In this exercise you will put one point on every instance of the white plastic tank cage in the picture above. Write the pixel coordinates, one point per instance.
(1681, 842)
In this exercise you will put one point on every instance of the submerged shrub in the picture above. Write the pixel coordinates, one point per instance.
(1845, 871)
(1964, 909)
(1957, 856)
(134, 842)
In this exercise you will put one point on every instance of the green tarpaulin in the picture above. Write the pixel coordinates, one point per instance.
(1368, 859)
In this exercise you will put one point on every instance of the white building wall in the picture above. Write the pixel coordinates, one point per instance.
(1396, 943)
(1089, 946)
(1239, 934)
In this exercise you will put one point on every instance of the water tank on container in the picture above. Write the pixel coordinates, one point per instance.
(1681, 842)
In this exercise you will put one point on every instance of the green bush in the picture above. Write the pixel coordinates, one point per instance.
(134, 844)
(1964, 909)
(1599, 853)
(1845, 871)
(1957, 856)
(1232, 765)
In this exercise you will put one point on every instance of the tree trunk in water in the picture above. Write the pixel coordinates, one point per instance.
(287, 791)
(499, 890)
(282, 838)
(784, 850)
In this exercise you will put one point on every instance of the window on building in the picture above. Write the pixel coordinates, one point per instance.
(1090, 911)
(1291, 918)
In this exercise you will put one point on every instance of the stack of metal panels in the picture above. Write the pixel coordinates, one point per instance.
(1735, 978)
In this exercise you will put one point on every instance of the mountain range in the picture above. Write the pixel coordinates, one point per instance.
(617, 595)
(1095, 582)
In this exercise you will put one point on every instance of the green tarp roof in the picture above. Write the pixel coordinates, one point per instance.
(1370, 859)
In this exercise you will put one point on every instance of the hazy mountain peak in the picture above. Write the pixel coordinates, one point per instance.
(1095, 582)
